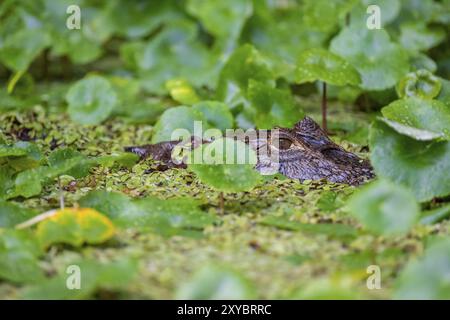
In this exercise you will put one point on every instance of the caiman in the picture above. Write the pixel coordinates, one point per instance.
(305, 152)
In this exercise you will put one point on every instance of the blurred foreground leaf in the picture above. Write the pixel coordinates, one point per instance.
(226, 165)
(91, 100)
(18, 257)
(384, 208)
(422, 166)
(94, 276)
(216, 283)
(427, 277)
(75, 227)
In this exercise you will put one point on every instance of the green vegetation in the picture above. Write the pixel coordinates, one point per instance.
(71, 100)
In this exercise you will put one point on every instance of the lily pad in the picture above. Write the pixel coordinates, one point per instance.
(319, 64)
(316, 10)
(420, 37)
(12, 214)
(422, 166)
(19, 254)
(94, 276)
(91, 100)
(418, 134)
(216, 113)
(216, 283)
(226, 165)
(427, 277)
(223, 19)
(271, 107)
(165, 216)
(181, 117)
(429, 115)
(20, 48)
(245, 63)
(22, 155)
(384, 208)
(380, 62)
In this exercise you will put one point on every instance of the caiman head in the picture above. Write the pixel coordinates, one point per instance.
(304, 152)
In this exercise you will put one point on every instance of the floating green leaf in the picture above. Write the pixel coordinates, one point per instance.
(316, 10)
(168, 217)
(182, 118)
(94, 275)
(216, 283)
(91, 100)
(12, 214)
(319, 64)
(244, 64)
(20, 48)
(216, 113)
(380, 62)
(422, 166)
(22, 155)
(429, 115)
(175, 53)
(384, 208)
(223, 19)
(427, 277)
(226, 165)
(420, 84)
(417, 134)
(419, 37)
(19, 254)
(271, 107)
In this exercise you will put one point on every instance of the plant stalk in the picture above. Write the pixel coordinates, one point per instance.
(324, 106)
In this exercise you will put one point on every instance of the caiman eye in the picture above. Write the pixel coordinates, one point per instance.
(284, 144)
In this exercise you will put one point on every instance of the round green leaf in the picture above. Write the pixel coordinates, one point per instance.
(422, 166)
(177, 118)
(271, 107)
(91, 100)
(444, 95)
(418, 134)
(427, 278)
(380, 62)
(19, 49)
(314, 12)
(421, 84)
(216, 113)
(384, 208)
(245, 63)
(223, 19)
(12, 214)
(420, 37)
(19, 254)
(320, 64)
(430, 115)
(214, 282)
(226, 165)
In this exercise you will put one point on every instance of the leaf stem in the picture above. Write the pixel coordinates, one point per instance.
(324, 106)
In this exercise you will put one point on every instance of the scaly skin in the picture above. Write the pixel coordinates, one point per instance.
(305, 153)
